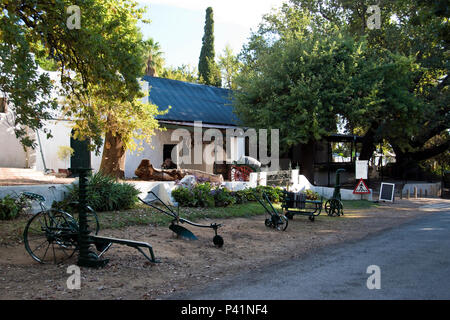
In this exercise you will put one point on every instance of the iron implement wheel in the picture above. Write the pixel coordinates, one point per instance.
(51, 236)
(218, 241)
(280, 222)
(334, 207)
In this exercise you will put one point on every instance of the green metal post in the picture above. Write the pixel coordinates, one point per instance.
(86, 257)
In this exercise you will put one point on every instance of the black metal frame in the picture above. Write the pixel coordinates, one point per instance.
(276, 219)
(218, 240)
(293, 207)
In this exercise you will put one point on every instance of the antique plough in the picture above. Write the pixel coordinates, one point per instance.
(53, 236)
(175, 224)
(273, 218)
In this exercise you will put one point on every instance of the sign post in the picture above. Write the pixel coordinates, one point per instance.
(361, 188)
(361, 169)
(361, 173)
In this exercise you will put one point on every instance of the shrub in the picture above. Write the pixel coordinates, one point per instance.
(184, 197)
(200, 195)
(11, 208)
(240, 196)
(311, 195)
(275, 194)
(205, 195)
(223, 197)
(103, 193)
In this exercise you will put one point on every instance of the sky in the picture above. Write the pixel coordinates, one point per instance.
(178, 25)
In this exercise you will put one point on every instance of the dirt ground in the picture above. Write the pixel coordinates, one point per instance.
(185, 264)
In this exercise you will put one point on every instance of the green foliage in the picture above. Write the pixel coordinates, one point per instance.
(104, 193)
(229, 65)
(209, 72)
(154, 57)
(183, 73)
(308, 66)
(204, 195)
(301, 83)
(106, 58)
(275, 194)
(311, 195)
(11, 207)
(240, 196)
(28, 93)
(409, 28)
(223, 197)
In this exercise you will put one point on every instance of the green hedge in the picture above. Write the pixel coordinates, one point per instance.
(205, 195)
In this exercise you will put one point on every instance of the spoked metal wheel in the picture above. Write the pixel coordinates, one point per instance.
(334, 207)
(281, 223)
(51, 236)
(92, 220)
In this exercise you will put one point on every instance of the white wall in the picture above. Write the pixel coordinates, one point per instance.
(154, 152)
(12, 154)
(61, 131)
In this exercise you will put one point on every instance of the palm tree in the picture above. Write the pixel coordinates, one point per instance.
(155, 60)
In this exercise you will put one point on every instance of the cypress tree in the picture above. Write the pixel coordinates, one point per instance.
(208, 70)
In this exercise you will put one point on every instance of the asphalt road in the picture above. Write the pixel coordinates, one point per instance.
(413, 259)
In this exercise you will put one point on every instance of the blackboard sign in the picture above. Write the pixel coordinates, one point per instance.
(387, 192)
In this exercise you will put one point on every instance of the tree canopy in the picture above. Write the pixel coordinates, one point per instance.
(99, 66)
(311, 61)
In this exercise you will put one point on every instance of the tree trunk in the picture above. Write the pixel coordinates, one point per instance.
(113, 157)
(307, 160)
(368, 144)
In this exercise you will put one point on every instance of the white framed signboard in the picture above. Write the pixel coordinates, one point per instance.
(361, 169)
(387, 192)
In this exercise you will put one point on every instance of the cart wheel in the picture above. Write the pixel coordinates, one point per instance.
(268, 223)
(289, 215)
(311, 218)
(51, 236)
(282, 223)
(334, 207)
(218, 241)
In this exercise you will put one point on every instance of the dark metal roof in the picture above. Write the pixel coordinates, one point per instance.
(191, 102)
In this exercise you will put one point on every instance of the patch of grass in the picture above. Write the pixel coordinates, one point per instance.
(144, 215)
(358, 204)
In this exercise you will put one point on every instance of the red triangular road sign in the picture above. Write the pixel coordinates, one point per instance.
(361, 188)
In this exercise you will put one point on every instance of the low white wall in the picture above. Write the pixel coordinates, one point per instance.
(300, 183)
(346, 194)
(51, 192)
(57, 192)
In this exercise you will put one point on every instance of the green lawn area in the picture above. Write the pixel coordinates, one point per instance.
(359, 204)
(143, 215)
